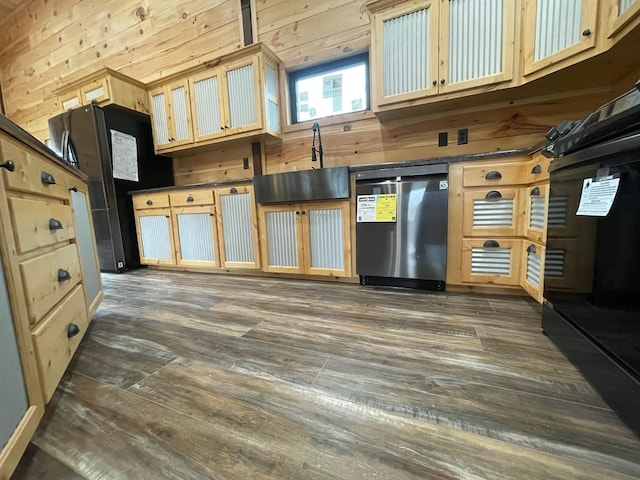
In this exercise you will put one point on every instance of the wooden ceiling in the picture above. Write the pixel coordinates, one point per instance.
(7, 6)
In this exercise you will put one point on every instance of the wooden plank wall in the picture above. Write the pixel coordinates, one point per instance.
(48, 43)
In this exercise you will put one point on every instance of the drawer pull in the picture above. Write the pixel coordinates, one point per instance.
(149, 202)
(493, 175)
(537, 169)
(72, 330)
(491, 244)
(55, 224)
(189, 198)
(535, 192)
(9, 165)
(47, 178)
(74, 189)
(493, 195)
(531, 249)
(63, 275)
(233, 190)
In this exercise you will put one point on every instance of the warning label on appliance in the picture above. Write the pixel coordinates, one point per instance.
(597, 196)
(376, 208)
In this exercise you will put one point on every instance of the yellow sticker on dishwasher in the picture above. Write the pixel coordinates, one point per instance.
(386, 207)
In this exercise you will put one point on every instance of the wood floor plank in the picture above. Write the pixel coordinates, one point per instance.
(360, 428)
(188, 375)
(38, 464)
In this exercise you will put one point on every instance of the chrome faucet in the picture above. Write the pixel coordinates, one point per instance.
(316, 129)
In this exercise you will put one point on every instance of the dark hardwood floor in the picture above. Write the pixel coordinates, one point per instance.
(196, 376)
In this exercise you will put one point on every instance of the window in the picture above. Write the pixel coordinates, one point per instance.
(329, 89)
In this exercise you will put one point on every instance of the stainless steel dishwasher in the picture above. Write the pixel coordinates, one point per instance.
(401, 226)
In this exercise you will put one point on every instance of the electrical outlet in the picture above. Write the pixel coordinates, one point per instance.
(443, 139)
(245, 163)
(463, 136)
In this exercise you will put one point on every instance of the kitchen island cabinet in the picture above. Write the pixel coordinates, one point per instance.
(49, 281)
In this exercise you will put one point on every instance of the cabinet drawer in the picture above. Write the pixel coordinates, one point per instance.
(512, 173)
(491, 212)
(184, 198)
(97, 90)
(492, 261)
(40, 223)
(150, 200)
(56, 339)
(48, 278)
(33, 173)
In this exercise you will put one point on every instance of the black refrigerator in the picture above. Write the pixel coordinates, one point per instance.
(113, 146)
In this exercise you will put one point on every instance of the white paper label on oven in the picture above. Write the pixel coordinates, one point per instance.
(597, 196)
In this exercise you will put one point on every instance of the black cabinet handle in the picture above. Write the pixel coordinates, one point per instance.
(491, 244)
(493, 175)
(55, 224)
(535, 192)
(531, 249)
(72, 330)
(74, 189)
(442, 81)
(63, 275)
(304, 211)
(149, 202)
(537, 169)
(47, 178)
(435, 82)
(586, 33)
(233, 190)
(493, 195)
(9, 165)
(189, 198)
(297, 212)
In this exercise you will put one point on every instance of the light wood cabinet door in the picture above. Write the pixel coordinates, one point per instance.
(196, 236)
(405, 52)
(556, 31)
(476, 43)
(494, 212)
(491, 261)
(20, 403)
(327, 239)
(97, 90)
(281, 238)
(532, 269)
(207, 106)
(160, 116)
(179, 113)
(242, 96)
(70, 100)
(237, 227)
(155, 237)
(535, 220)
(621, 14)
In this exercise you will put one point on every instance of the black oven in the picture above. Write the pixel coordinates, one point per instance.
(592, 269)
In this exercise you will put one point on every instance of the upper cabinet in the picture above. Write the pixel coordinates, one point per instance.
(621, 13)
(555, 31)
(104, 87)
(424, 48)
(234, 97)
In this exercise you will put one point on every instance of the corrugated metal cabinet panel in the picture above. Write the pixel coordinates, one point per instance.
(241, 97)
(535, 221)
(532, 269)
(556, 32)
(491, 261)
(492, 212)
(196, 236)
(237, 227)
(281, 238)
(207, 108)
(155, 236)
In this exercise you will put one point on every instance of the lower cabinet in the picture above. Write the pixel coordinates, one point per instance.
(532, 268)
(311, 238)
(155, 237)
(491, 261)
(237, 227)
(196, 236)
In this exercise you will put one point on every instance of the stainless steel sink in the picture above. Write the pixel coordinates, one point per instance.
(303, 185)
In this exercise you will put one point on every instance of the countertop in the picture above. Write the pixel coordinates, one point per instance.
(193, 186)
(29, 140)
